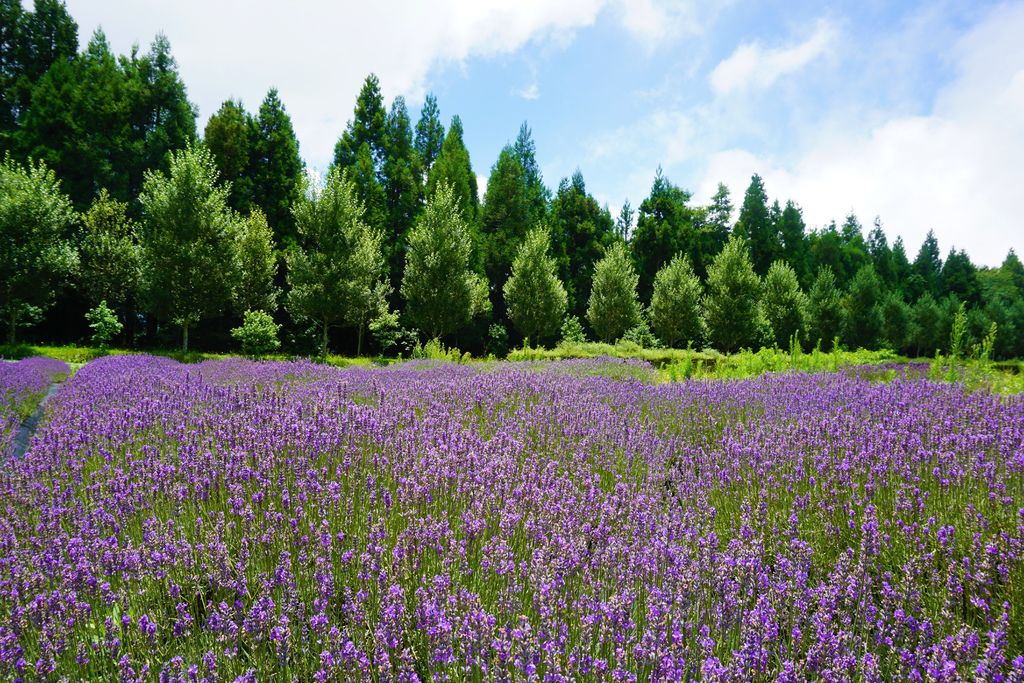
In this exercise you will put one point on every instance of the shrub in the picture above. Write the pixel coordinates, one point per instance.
(104, 323)
(257, 334)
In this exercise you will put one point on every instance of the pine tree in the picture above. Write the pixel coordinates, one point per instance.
(614, 307)
(960, 277)
(402, 185)
(719, 213)
(756, 225)
(504, 219)
(534, 295)
(581, 231)
(927, 268)
(675, 310)
(368, 189)
(230, 135)
(188, 246)
(277, 168)
(793, 234)
(368, 127)
(36, 254)
(863, 309)
(881, 255)
(36, 41)
(335, 270)
(665, 225)
(732, 305)
(825, 309)
(895, 314)
(429, 134)
(624, 223)
(12, 38)
(537, 195)
(784, 304)
(452, 167)
(441, 291)
(925, 325)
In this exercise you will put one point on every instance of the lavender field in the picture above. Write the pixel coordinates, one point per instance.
(235, 520)
(22, 386)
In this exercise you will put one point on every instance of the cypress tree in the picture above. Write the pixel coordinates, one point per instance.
(277, 168)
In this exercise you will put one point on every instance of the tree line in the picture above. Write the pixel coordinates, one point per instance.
(114, 206)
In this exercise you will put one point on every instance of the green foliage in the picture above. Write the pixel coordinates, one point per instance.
(614, 307)
(581, 231)
(35, 254)
(277, 169)
(231, 134)
(665, 225)
(401, 185)
(389, 335)
(256, 265)
(793, 235)
(896, 317)
(675, 310)
(429, 133)
(104, 324)
(504, 219)
(756, 225)
(732, 305)
(497, 340)
(958, 334)
(335, 270)
(534, 295)
(784, 303)
(434, 349)
(110, 267)
(925, 323)
(641, 335)
(452, 168)
(441, 291)
(572, 331)
(366, 128)
(863, 310)
(188, 241)
(927, 269)
(257, 334)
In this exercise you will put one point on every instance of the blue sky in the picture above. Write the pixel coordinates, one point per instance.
(913, 112)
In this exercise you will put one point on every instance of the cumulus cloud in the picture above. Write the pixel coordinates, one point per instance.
(956, 170)
(753, 66)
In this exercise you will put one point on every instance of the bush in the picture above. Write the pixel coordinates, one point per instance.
(572, 331)
(641, 335)
(497, 340)
(390, 336)
(258, 333)
(104, 323)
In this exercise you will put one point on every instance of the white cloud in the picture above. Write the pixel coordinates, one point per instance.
(530, 92)
(753, 66)
(956, 170)
(318, 52)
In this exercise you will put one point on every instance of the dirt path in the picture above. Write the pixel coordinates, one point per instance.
(28, 427)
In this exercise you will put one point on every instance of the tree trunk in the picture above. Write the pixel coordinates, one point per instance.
(323, 349)
(184, 337)
(359, 341)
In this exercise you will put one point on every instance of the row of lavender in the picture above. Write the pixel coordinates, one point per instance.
(22, 385)
(287, 521)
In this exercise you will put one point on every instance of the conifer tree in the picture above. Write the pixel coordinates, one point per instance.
(732, 303)
(368, 126)
(504, 219)
(429, 134)
(402, 185)
(230, 135)
(614, 306)
(452, 167)
(825, 309)
(784, 304)
(277, 168)
(863, 310)
(534, 295)
(675, 311)
(756, 225)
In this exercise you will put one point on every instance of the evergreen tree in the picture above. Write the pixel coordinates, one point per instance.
(925, 325)
(719, 213)
(537, 194)
(534, 295)
(367, 127)
(665, 225)
(110, 259)
(881, 255)
(580, 232)
(161, 119)
(960, 277)
(784, 304)
(675, 309)
(901, 268)
(854, 249)
(825, 309)
(452, 167)
(50, 35)
(188, 248)
(277, 168)
(863, 310)
(895, 322)
(793, 234)
(12, 30)
(504, 219)
(756, 225)
(732, 306)
(927, 268)
(429, 134)
(35, 253)
(230, 135)
(441, 291)
(335, 270)
(402, 185)
(368, 190)
(256, 265)
(624, 223)
(614, 307)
